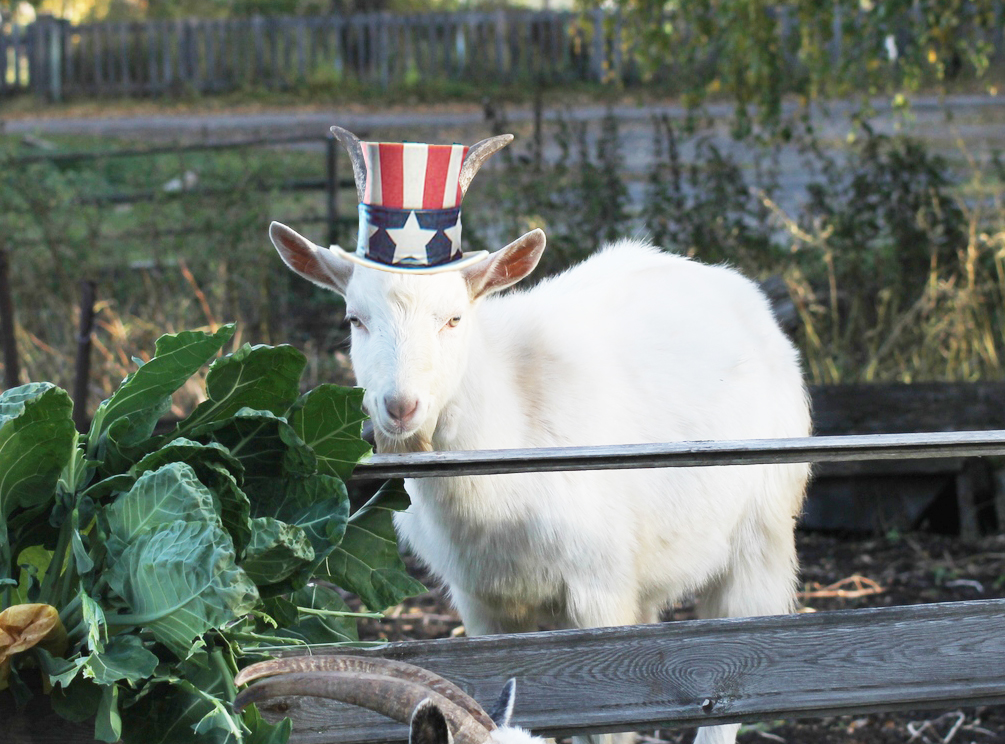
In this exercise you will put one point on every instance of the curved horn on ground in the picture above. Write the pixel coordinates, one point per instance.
(352, 145)
(393, 697)
(477, 155)
(368, 665)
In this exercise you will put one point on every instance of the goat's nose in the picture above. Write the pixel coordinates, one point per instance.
(401, 408)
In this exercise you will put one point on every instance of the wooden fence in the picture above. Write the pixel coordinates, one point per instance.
(682, 673)
(374, 49)
(54, 58)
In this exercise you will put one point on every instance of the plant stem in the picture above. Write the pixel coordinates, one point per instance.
(52, 573)
(276, 641)
(338, 613)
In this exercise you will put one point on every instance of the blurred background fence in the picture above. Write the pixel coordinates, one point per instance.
(56, 58)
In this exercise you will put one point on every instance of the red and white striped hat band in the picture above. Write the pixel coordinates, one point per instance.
(413, 176)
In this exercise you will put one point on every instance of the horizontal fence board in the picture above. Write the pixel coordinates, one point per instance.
(683, 673)
(702, 672)
(875, 408)
(685, 454)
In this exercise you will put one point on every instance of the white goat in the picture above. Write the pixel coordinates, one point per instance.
(437, 710)
(632, 345)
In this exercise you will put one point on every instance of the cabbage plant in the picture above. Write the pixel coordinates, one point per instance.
(140, 569)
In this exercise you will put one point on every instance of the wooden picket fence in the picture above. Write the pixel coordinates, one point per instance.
(54, 58)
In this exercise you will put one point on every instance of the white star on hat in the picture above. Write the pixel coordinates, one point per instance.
(410, 241)
(454, 234)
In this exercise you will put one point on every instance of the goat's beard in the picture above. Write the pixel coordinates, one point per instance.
(421, 441)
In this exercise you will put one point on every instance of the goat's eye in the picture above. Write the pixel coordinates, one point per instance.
(454, 321)
(354, 321)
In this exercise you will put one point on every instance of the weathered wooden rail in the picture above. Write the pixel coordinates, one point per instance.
(676, 674)
(712, 671)
(685, 454)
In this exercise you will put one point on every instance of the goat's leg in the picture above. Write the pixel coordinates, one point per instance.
(760, 581)
(598, 606)
(481, 618)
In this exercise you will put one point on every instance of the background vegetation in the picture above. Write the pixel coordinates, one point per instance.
(893, 258)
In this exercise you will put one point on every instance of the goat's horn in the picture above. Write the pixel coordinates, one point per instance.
(390, 696)
(352, 145)
(368, 665)
(477, 155)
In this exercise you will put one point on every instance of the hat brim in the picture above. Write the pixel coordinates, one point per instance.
(468, 258)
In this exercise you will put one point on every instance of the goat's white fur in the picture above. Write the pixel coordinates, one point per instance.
(632, 345)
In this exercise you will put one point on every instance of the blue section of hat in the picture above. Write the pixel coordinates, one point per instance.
(439, 249)
(379, 246)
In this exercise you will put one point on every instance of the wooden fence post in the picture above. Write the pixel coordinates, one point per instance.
(43, 60)
(17, 37)
(12, 372)
(82, 376)
(599, 58)
(837, 34)
(58, 28)
(3, 60)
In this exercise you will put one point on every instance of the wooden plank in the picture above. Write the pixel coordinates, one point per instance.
(125, 82)
(98, 49)
(684, 454)
(339, 59)
(4, 45)
(210, 80)
(258, 36)
(891, 468)
(598, 57)
(890, 407)
(150, 37)
(500, 44)
(301, 42)
(703, 672)
(167, 31)
(16, 45)
(966, 497)
(683, 673)
(71, 41)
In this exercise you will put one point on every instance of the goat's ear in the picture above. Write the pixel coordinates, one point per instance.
(503, 709)
(506, 267)
(319, 265)
(428, 726)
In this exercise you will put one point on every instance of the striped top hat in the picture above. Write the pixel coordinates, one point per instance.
(410, 202)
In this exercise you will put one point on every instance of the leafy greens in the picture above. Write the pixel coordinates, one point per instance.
(169, 556)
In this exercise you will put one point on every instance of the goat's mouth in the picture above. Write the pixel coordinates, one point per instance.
(413, 441)
(393, 428)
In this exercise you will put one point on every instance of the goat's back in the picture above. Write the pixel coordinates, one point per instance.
(637, 345)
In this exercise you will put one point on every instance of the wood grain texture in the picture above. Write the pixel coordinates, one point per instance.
(686, 673)
(689, 673)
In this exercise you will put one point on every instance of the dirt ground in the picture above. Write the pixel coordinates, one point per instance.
(837, 573)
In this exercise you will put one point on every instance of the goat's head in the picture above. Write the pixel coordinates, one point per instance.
(411, 331)
(437, 711)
